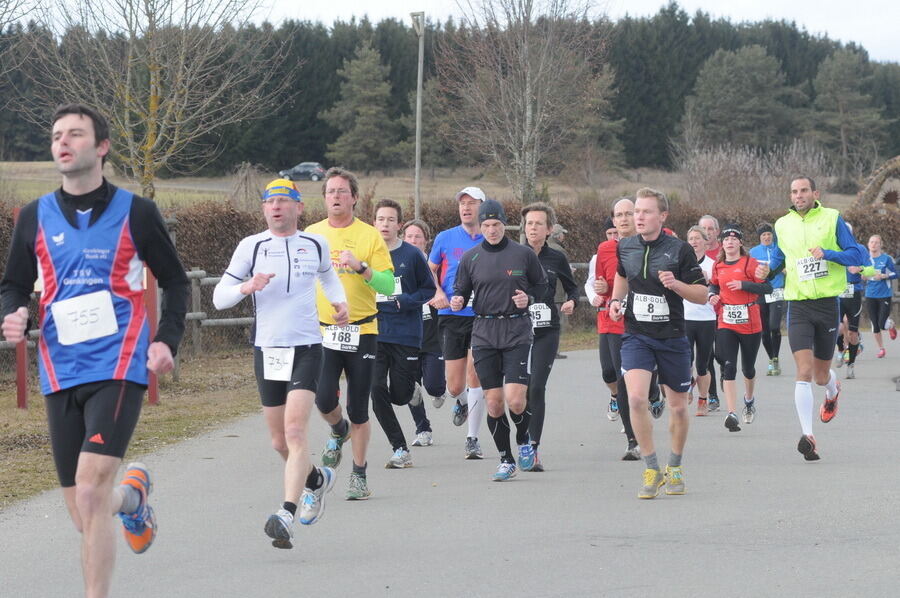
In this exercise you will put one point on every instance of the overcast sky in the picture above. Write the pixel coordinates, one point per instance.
(872, 24)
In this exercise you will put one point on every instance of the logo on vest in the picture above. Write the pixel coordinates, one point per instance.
(58, 239)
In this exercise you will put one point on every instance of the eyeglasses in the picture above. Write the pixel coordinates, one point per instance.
(332, 192)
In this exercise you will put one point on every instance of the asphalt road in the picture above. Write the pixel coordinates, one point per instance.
(757, 520)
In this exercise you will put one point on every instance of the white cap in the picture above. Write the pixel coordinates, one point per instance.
(473, 192)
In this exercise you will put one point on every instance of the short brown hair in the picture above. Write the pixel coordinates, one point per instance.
(344, 174)
(800, 177)
(661, 200)
(389, 203)
(423, 226)
(101, 128)
(540, 206)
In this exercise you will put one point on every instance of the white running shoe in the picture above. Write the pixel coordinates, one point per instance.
(423, 439)
(312, 502)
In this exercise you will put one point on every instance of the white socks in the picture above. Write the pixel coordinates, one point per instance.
(831, 388)
(803, 401)
(476, 411)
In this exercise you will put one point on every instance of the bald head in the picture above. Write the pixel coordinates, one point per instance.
(623, 217)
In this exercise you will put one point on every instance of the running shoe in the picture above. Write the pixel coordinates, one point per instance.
(851, 373)
(749, 413)
(859, 348)
(279, 527)
(846, 356)
(612, 412)
(807, 447)
(460, 413)
(892, 332)
(139, 527)
(657, 407)
(358, 488)
(714, 403)
(691, 390)
(839, 360)
(777, 370)
(312, 502)
(505, 472)
(526, 456)
(416, 399)
(731, 422)
(438, 402)
(829, 408)
(674, 480)
(881, 353)
(538, 466)
(423, 439)
(399, 460)
(653, 480)
(702, 408)
(632, 453)
(331, 456)
(473, 449)
(771, 368)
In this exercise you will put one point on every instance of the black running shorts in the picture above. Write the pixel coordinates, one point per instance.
(304, 375)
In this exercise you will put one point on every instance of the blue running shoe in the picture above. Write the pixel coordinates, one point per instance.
(526, 456)
(505, 472)
(139, 527)
(312, 503)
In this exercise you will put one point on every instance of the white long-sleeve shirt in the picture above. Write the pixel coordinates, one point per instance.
(285, 309)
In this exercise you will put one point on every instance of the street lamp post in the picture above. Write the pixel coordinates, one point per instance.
(418, 19)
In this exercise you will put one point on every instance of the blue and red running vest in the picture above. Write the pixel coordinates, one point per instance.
(90, 263)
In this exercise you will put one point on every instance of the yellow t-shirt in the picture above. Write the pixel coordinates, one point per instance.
(367, 245)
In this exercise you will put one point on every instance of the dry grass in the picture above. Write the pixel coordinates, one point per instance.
(198, 402)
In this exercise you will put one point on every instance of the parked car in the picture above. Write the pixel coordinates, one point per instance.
(309, 171)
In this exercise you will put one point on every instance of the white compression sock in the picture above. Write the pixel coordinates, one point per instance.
(831, 387)
(803, 401)
(476, 411)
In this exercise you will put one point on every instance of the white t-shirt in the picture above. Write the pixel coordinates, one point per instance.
(285, 309)
(705, 312)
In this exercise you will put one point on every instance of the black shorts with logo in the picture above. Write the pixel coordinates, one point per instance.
(98, 417)
(813, 324)
(496, 367)
(852, 308)
(456, 336)
(304, 375)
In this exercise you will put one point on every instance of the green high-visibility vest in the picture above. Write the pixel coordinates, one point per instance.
(804, 278)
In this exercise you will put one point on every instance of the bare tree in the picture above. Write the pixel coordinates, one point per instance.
(517, 79)
(168, 74)
(11, 11)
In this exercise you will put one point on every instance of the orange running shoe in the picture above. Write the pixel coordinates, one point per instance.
(140, 526)
(829, 408)
(702, 409)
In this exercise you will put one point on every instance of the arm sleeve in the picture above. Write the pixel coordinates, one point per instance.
(890, 266)
(568, 281)
(424, 287)
(591, 277)
(537, 277)
(462, 282)
(382, 281)
(21, 264)
(156, 248)
(332, 287)
(758, 288)
(713, 285)
(620, 268)
(852, 253)
(228, 290)
(689, 270)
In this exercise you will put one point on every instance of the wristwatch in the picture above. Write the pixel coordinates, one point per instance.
(363, 266)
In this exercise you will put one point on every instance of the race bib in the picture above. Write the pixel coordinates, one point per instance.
(341, 338)
(379, 298)
(84, 318)
(426, 312)
(848, 292)
(810, 268)
(736, 314)
(540, 315)
(650, 308)
(278, 363)
(775, 295)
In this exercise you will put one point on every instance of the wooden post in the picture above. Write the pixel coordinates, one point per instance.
(196, 333)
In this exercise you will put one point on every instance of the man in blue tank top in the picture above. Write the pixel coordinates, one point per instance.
(87, 244)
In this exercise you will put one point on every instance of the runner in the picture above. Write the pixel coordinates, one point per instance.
(456, 326)
(279, 268)
(538, 218)
(431, 378)
(655, 272)
(502, 333)
(700, 322)
(771, 305)
(399, 330)
(848, 344)
(878, 273)
(711, 225)
(594, 283)
(736, 286)
(87, 243)
(816, 247)
(363, 264)
(599, 289)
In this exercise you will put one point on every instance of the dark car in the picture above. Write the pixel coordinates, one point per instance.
(308, 171)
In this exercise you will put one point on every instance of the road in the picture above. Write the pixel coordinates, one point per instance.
(757, 520)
